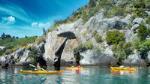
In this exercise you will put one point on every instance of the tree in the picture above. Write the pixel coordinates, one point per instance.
(97, 37)
(3, 36)
(122, 51)
(92, 3)
(115, 37)
(144, 47)
(139, 6)
(44, 31)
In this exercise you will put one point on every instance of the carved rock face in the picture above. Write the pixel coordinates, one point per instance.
(53, 43)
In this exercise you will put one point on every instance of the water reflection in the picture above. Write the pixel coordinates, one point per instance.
(89, 75)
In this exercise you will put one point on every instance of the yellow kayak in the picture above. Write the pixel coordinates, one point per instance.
(40, 72)
(130, 69)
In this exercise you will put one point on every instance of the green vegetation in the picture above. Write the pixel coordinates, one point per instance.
(13, 43)
(144, 48)
(115, 37)
(119, 52)
(97, 37)
(139, 7)
(116, 11)
(122, 50)
(2, 52)
(143, 32)
(40, 39)
(148, 20)
(84, 46)
(142, 44)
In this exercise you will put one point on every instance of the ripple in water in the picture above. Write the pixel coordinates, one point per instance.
(90, 75)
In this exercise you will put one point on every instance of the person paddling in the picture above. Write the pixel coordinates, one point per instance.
(77, 58)
(37, 67)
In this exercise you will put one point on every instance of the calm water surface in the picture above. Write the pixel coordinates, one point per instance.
(90, 75)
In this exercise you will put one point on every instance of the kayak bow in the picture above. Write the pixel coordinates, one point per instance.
(40, 72)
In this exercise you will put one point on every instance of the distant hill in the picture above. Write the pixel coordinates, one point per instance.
(11, 43)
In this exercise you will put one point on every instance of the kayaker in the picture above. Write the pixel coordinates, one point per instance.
(38, 67)
(121, 66)
(77, 58)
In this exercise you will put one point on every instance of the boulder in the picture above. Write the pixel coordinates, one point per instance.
(138, 21)
(134, 59)
(92, 57)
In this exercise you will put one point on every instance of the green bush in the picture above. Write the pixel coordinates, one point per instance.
(2, 52)
(128, 48)
(148, 20)
(140, 13)
(143, 32)
(97, 37)
(144, 47)
(139, 4)
(116, 11)
(88, 45)
(139, 7)
(115, 37)
(119, 53)
(122, 50)
(85, 16)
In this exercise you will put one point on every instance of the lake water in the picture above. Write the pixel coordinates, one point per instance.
(90, 75)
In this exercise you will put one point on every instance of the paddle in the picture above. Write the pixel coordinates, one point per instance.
(35, 67)
(32, 65)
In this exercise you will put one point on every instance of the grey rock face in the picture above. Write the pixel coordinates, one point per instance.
(83, 32)
(148, 12)
(53, 42)
(98, 22)
(97, 58)
(17, 57)
(134, 59)
(21, 55)
(2, 47)
(138, 21)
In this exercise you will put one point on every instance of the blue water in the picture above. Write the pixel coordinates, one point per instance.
(90, 75)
